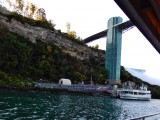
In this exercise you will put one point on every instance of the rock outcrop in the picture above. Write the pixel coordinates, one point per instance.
(33, 33)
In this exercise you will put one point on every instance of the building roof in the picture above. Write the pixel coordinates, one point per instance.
(145, 14)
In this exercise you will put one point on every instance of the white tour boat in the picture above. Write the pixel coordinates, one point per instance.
(134, 94)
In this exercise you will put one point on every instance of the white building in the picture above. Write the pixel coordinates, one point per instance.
(63, 81)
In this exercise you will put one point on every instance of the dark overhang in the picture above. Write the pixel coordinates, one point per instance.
(145, 14)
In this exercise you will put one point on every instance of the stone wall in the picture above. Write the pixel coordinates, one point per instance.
(33, 33)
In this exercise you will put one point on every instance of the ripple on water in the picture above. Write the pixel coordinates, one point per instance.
(40, 106)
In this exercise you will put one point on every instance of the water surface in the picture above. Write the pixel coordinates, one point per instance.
(45, 106)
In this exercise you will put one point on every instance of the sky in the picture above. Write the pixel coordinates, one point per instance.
(88, 17)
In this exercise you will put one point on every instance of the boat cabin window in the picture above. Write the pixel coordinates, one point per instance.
(142, 93)
(136, 93)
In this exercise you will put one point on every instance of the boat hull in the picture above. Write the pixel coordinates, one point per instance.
(135, 97)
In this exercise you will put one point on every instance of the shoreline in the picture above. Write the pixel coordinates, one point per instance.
(50, 91)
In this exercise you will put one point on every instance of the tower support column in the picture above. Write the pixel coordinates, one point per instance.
(113, 51)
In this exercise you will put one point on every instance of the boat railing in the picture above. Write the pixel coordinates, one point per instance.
(145, 116)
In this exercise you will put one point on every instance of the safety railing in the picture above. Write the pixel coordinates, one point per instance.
(144, 117)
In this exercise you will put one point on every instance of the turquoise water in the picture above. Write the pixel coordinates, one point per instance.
(45, 106)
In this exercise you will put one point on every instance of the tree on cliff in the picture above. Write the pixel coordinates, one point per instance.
(19, 6)
(27, 9)
(69, 32)
(96, 46)
(40, 14)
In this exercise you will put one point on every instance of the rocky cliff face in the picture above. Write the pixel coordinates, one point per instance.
(38, 33)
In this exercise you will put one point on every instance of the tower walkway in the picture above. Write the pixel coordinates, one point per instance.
(123, 26)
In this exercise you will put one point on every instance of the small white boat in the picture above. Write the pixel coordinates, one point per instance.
(134, 94)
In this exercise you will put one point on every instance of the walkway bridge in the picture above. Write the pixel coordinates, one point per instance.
(125, 26)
